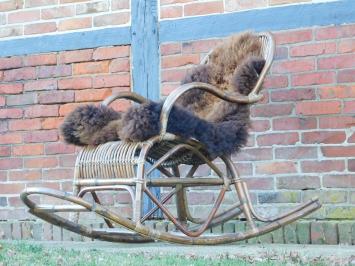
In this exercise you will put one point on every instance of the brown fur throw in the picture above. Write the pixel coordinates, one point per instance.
(221, 126)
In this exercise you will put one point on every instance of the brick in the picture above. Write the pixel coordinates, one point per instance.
(336, 62)
(279, 197)
(10, 138)
(51, 122)
(296, 36)
(59, 148)
(103, 53)
(344, 231)
(91, 67)
(271, 110)
(338, 151)
(318, 108)
(74, 24)
(336, 122)
(330, 196)
(22, 99)
(23, 16)
(27, 150)
(56, 97)
(346, 46)
(10, 163)
(294, 123)
(39, 85)
(58, 12)
(313, 49)
(75, 56)
(12, 188)
(173, 75)
(54, 71)
(260, 125)
(120, 65)
(40, 60)
(119, 4)
(203, 46)
(347, 75)
(351, 165)
(180, 60)
(94, 7)
(40, 136)
(65, 109)
(303, 232)
(324, 233)
(349, 107)
(41, 162)
(11, 5)
(10, 113)
(113, 80)
(3, 203)
(323, 166)
(298, 182)
(36, 3)
(167, 88)
(276, 82)
(75, 83)
(196, 9)
(41, 111)
(277, 139)
(231, 5)
(263, 183)
(340, 212)
(293, 95)
(11, 31)
(269, 168)
(40, 28)
(53, 174)
(255, 154)
(351, 139)
(92, 95)
(13, 88)
(25, 175)
(11, 62)
(326, 137)
(170, 49)
(339, 181)
(2, 101)
(171, 12)
(5, 151)
(20, 74)
(313, 78)
(67, 160)
(281, 53)
(296, 153)
(293, 66)
(112, 19)
(326, 33)
(330, 92)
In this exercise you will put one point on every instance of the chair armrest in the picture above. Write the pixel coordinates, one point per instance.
(171, 99)
(124, 95)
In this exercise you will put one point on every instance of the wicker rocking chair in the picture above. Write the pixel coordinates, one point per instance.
(123, 166)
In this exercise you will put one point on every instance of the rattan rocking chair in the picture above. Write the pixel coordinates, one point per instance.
(123, 166)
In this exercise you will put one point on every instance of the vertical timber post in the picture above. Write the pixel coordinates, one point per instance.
(145, 62)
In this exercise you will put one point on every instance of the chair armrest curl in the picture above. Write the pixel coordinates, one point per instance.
(171, 99)
(124, 95)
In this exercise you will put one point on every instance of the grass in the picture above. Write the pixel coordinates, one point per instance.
(19, 253)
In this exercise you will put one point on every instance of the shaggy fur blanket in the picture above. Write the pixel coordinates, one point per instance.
(234, 67)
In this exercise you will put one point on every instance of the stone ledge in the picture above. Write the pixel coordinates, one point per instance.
(301, 232)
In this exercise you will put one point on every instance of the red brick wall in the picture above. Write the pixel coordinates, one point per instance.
(19, 17)
(302, 141)
(37, 91)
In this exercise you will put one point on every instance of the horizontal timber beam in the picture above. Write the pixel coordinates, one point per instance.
(267, 19)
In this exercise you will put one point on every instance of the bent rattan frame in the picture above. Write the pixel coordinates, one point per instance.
(123, 166)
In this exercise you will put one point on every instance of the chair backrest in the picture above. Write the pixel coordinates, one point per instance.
(267, 52)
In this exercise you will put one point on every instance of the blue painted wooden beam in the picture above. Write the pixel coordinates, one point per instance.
(145, 62)
(274, 18)
(145, 48)
(66, 41)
